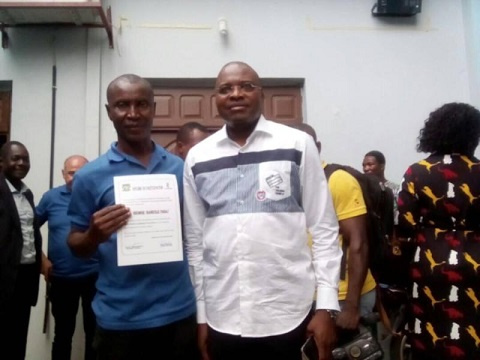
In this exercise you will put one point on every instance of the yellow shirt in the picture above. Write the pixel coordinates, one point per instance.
(348, 202)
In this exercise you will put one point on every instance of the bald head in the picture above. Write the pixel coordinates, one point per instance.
(127, 79)
(235, 66)
(71, 165)
(239, 99)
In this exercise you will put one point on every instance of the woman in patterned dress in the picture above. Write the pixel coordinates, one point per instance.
(439, 208)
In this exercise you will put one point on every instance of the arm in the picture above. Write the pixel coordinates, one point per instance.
(41, 211)
(194, 217)
(354, 232)
(47, 267)
(103, 224)
(408, 210)
(351, 212)
(323, 226)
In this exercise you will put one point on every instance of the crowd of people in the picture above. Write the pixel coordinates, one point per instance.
(265, 232)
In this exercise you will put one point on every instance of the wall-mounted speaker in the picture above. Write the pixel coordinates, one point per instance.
(397, 7)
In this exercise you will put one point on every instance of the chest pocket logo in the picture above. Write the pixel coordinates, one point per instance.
(274, 180)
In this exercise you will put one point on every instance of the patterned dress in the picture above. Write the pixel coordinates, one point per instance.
(439, 207)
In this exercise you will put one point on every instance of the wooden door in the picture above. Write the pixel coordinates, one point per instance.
(177, 105)
(5, 106)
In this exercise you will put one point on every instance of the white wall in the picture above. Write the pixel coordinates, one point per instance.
(369, 82)
(471, 11)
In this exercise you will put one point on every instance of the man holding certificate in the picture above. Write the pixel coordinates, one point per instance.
(126, 205)
(251, 191)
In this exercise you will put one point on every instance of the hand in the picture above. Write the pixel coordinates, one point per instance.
(47, 267)
(107, 221)
(322, 327)
(202, 341)
(348, 318)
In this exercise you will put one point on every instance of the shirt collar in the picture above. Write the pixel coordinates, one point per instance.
(64, 189)
(115, 155)
(263, 126)
(23, 189)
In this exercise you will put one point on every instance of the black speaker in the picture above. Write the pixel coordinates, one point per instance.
(397, 7)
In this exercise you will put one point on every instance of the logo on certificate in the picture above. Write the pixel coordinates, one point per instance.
(126, 187)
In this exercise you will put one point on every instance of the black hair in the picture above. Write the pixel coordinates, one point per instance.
(5, 150)
(132, 79)
(452, 128)
(377, 155)
(186, 129)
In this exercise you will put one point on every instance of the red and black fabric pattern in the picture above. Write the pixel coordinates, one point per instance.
(439, 207)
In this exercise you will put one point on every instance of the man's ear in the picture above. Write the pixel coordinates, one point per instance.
(179, 148)
(107, 107)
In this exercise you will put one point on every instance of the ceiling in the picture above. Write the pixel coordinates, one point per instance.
(57, 13)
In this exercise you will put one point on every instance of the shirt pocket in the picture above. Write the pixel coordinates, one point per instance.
(274, 179)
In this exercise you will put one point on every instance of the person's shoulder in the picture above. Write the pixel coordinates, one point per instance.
(5, 192)
(161, 151)
(207, 148)
(93, 166)
(211, 140)
(392, 185)
(54, 191)
(3, 181)
(168, 157)
(344, 179)
(286, 130)
(285, 137)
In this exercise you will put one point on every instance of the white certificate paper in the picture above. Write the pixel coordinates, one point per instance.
(153, 234)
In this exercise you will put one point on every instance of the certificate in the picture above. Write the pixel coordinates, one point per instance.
(153, 233)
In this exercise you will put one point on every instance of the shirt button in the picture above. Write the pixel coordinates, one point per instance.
(242, 176)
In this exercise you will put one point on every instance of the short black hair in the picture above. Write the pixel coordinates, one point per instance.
(377, 155)
(186, 129)
(452, 128)
(4, 151)
(132, 79)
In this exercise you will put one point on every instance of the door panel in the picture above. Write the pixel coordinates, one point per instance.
(176, 107)
(5, 112)
(283, 105)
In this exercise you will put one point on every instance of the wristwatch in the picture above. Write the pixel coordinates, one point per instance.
(333, 313)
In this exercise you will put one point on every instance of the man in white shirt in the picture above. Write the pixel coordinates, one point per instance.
(250, 191)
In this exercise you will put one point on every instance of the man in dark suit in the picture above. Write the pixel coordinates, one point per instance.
(20, 251)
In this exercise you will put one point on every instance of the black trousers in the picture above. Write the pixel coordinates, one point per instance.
(65, 295)
(15, 316)
(175, 341)
(279, 347)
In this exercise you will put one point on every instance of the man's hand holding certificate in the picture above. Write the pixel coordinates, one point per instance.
(153, 234)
